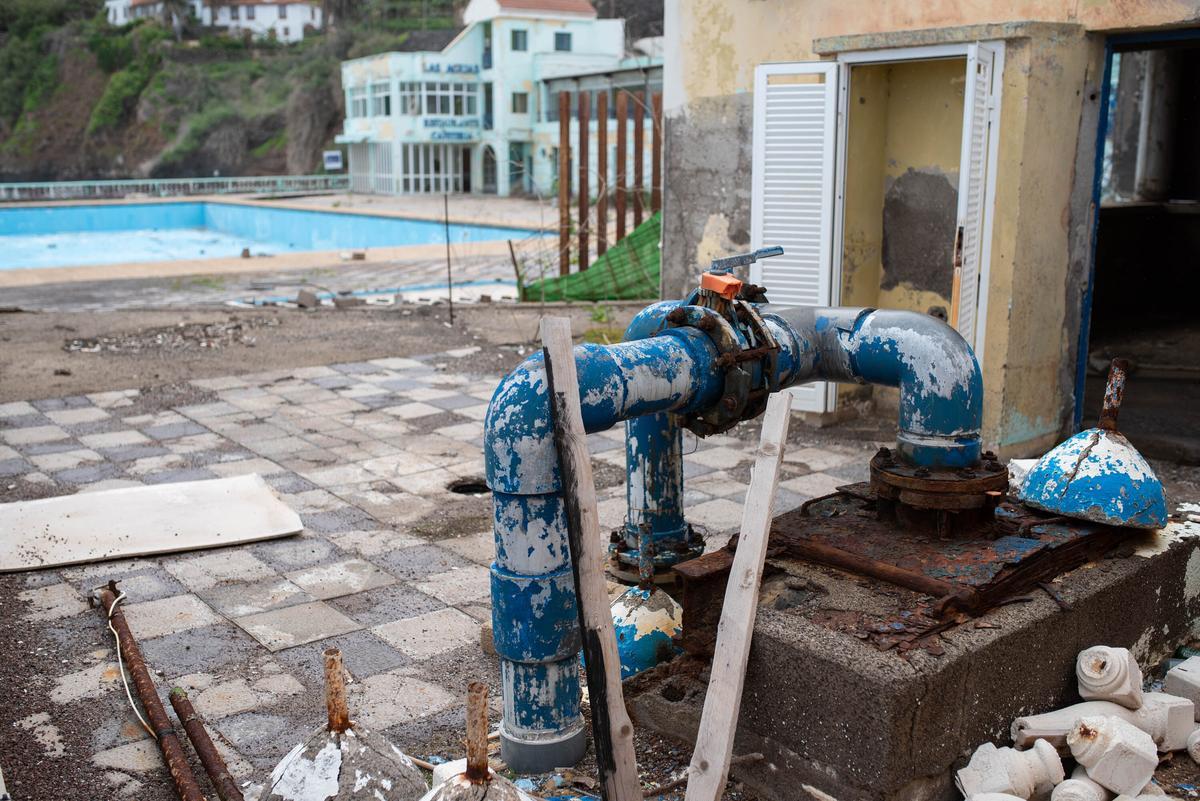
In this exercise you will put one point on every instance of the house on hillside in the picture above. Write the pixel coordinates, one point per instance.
(480, 114)
(1047, 147)
(285, 22)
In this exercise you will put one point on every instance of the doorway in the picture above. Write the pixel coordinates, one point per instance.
(489, 170)
(1147, 245)
(875, 174)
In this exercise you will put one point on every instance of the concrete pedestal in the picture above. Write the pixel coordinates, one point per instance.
(831, 711)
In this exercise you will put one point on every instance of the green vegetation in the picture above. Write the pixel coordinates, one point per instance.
(156, 95)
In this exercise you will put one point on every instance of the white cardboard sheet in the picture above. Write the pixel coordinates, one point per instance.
(138, 521)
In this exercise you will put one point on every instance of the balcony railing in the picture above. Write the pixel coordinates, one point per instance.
(173, 187)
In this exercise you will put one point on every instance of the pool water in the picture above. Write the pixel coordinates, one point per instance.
(76, 235)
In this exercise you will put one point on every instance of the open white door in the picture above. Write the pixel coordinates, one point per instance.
(795, 122)
(973, 182)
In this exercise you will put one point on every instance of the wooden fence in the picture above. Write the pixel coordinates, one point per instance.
(626, 197)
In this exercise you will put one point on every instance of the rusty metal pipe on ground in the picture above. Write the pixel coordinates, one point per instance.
(210, 758)
(164, 732)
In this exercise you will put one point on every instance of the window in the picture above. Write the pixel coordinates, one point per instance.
(562, 42)
(233, 12)
(457, 99)
(520, 102)
(410, 99)
(282, 11)
(520, 41)
(358, 101)
(381, 100)
(249, 12)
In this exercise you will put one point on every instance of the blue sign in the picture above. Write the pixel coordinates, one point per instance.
(458, 136)
(459, 69)
(451, 122)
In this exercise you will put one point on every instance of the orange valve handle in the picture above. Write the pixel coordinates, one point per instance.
(723, 284)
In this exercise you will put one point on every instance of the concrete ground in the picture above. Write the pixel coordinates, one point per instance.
(360, 419)
(391, 566)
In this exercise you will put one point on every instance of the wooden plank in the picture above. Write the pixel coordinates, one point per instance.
(718, 724)
(601, 173)
(622, 157)
(656, 153)
(585, 109)
(138, 521)
(612, 731)
(564, 183)
(639, 157)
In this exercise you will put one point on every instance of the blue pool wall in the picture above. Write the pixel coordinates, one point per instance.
(292, 229)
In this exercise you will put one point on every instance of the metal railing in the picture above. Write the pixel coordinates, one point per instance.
(173, 187)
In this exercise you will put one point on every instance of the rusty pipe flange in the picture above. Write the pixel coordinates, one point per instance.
(740, 400)
(930, 488)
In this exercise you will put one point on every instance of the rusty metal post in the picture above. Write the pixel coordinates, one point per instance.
(210, 758)
(335, 692)
(1114, 392)
(639, 157)
(622, 157)
(585, 111)
(164, 732)
(602, 173)
(564, 183)
(477, 733)
(656, 153)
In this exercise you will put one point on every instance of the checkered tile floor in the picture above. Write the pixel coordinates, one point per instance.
(391, 566)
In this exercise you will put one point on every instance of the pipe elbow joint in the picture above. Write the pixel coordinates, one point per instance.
(941, 387)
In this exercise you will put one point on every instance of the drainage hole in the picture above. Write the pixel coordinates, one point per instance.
(468, 486)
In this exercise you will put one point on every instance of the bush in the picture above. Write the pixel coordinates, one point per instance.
(27, 73)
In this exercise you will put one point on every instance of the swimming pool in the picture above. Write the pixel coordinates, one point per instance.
(76, 235)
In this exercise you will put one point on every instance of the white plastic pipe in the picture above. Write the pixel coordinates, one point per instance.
(1169, 720)
(1025, 774)
(1117, 754)
(1081, 787)
(1109, 674)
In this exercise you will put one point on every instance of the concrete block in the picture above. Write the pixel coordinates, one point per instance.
(1117, 754)
(922, 711)
(1193, 746)
(1081, 787)
(1027, 774)
(430, 634)
(296, 625)
(1184, 681)
(1109, 674)
(307, 299)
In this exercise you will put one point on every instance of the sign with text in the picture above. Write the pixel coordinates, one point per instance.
(333, 160)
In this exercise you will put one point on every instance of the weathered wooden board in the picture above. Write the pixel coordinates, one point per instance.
(137, 521)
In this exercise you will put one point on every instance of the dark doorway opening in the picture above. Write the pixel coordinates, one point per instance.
(1147, 260)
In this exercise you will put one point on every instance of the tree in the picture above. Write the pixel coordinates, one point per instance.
(175, 14)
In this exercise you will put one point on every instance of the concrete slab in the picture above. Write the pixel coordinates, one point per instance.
(832, 711)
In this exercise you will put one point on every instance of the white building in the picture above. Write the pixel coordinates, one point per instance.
(286, 22)
(481, 114)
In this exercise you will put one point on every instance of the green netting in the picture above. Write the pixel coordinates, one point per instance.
(627, 271)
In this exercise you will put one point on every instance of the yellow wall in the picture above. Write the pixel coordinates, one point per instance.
(1040, 248)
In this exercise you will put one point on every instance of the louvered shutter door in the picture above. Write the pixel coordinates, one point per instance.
(795, 117)
(972, 182)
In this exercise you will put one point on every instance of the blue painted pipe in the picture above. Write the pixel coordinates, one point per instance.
(941, 402)
(533, 600)
(660, 372)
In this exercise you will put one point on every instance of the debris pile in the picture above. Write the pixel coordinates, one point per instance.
(1114, 736)
(182, 336)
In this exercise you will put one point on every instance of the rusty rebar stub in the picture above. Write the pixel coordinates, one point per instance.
(948, 489)
(477, 771)
(335, 692)
(1114, 393)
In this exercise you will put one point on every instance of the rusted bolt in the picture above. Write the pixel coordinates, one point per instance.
(994, 466)
(706, 323)
(729, 402)
(989, 456)
(677, 316)
(921, 472)
(967, 472)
